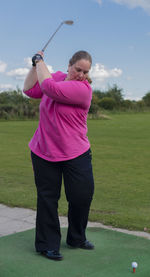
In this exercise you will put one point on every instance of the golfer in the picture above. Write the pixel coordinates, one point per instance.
(60, 149)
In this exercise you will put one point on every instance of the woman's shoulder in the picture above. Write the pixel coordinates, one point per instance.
(86, 82)
(59, 76)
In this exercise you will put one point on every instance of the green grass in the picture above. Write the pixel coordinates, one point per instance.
(18, 257)
(121, 164)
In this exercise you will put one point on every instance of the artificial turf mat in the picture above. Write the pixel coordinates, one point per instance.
(114, 252)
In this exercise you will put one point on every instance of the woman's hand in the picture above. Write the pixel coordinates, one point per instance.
(41, 53)
(37, 57)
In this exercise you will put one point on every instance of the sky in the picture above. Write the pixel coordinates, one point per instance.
(115, 32)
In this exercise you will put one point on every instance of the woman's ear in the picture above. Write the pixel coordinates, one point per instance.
(89, 79)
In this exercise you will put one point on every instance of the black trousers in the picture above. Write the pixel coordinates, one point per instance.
(79, 187)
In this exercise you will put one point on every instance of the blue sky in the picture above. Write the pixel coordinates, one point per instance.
(115, 32)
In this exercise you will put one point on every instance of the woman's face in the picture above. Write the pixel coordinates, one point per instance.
(79, 70)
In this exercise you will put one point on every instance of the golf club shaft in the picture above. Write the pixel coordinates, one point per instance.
(52, 36)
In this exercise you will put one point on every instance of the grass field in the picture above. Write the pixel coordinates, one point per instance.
(121, 164)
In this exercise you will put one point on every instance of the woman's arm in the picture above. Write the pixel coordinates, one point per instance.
(68, 92)
(37, 73)
(41, 68)
(31, 79)
(42, 71)
(31, 83)
(34, 92)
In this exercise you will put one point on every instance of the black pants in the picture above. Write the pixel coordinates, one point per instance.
(79, 188)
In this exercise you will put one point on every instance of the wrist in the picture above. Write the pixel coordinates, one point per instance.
(39, 61)
(36, 59)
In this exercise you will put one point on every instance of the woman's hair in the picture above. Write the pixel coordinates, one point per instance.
(79, 56)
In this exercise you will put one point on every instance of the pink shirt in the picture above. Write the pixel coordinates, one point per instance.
(61, 133)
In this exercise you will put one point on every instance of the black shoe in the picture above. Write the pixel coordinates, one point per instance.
(52, 254)
(87, 245)
(84, 245)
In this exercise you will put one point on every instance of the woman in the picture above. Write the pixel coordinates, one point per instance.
(60, 148)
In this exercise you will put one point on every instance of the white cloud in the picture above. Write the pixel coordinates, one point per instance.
(28, 62)
(144, 4)
(131, 96)
(2, 67)
(19, 73)
(4, 87)
(98, 1)
(99, 73)
(50, 68)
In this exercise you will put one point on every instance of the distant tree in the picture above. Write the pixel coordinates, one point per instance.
(115, 93)
(94, 104)
(146, 99)
(100, 94)
(140, 104)
(127, 104)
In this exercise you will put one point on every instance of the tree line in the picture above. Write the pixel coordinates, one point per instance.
(113, 100)
(15, 105)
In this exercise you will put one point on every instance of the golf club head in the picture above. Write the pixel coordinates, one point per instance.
(68, 22)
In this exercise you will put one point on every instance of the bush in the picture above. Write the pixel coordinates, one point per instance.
(14, 105)
(107, 103)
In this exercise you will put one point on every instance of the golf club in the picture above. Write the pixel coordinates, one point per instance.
(68, 22)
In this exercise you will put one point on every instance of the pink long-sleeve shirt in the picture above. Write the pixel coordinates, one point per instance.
(62, 131)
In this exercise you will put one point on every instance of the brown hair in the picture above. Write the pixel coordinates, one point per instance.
(79, 56)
